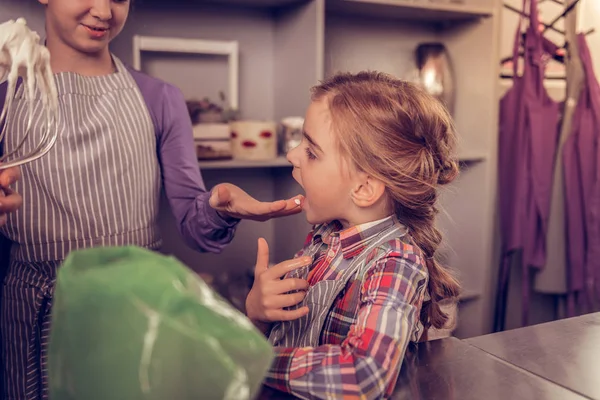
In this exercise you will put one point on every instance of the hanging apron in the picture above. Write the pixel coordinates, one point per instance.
(581, 160)
(527, 146)
(320, 299)
(98, 186)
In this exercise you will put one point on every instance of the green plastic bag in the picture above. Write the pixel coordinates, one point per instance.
(129, 324)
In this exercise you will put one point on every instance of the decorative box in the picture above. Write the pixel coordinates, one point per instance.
(254, 140)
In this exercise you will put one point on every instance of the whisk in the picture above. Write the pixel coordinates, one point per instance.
(22, 56)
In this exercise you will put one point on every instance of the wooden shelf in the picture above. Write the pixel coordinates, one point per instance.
(421, 10)
(233, 164)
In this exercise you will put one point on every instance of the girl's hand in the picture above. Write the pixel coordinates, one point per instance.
(9, 200)
(270, 294)
(232, 201)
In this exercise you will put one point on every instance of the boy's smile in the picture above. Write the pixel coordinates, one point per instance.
(96, 32)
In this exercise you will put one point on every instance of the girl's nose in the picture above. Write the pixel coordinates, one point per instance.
(292, 156)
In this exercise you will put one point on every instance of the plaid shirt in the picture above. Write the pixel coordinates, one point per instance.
(367, 330)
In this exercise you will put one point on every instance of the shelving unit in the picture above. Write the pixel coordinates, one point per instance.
(285, 47)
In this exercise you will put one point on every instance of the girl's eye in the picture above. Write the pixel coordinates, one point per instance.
(310, 154)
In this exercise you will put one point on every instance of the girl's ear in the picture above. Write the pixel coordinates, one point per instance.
(367, 191)
(44, 2)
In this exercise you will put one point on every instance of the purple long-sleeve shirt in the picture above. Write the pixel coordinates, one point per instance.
(201, 226)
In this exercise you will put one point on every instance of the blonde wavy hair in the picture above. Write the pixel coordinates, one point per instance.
(396, 132)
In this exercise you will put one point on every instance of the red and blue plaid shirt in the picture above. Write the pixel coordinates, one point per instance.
(372, 320)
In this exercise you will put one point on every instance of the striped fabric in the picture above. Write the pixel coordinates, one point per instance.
(107, 141)
(367, 285)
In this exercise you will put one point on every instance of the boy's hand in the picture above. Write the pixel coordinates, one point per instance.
(269, 294)
(232, 201)
(9, 200)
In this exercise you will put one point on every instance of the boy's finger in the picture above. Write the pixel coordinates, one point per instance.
(276, 206)
(9, 201)
(9, 176)
(220, 197)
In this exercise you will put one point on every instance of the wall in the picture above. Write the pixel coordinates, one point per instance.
(589, 17)
(31, 10)
(252, 28)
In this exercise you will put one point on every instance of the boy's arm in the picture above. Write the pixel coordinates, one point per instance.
(368, 361)
(200, 225)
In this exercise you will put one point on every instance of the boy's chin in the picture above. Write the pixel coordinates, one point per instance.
(92, 48)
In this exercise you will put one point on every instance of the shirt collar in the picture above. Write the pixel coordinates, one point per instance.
(354, 239)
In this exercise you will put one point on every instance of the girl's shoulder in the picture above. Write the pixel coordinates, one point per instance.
(402, 250)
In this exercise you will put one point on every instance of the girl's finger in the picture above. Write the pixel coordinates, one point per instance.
(288, 300)
(284, 267)
(289, 315)
(262, 257)
(288, 285)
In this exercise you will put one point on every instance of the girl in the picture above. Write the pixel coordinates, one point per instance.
(123, 136)
(375, 149)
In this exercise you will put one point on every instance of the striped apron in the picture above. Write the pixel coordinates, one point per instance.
(320, 298)
(98, 186)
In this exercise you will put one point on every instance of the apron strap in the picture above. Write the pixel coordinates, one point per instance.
(306, 331)
(517, 40)
(356, 268)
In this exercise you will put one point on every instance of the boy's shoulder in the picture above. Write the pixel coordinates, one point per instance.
(151, 86)
(164, 101)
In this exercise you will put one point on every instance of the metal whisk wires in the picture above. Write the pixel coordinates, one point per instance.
(22, 56)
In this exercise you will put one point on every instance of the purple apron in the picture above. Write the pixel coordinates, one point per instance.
(527, 145)
(581, 166)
